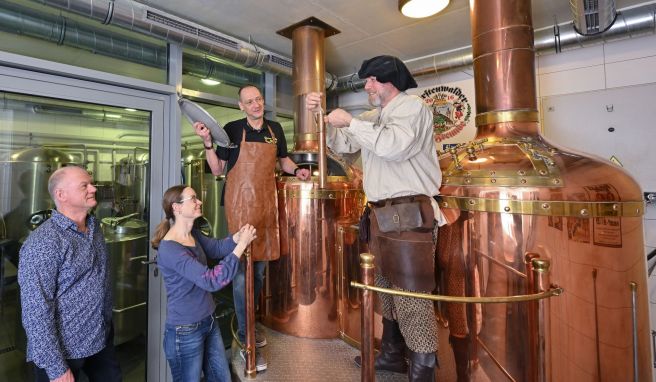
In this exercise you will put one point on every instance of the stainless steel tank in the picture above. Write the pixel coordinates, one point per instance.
(27, 173)
(3, 229)
(197, 175)
(130, 179)
(127, 242)
(193, 168)
(302, 291)
(527, 215)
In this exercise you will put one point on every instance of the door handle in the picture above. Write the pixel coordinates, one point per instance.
(153, 261)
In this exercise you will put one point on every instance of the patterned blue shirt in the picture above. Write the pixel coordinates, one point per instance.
(66, 295)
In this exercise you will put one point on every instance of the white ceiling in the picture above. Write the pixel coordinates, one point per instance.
(368, 27)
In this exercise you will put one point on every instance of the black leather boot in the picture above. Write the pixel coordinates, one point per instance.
(460, 348)
(392, 350)
(422, 367)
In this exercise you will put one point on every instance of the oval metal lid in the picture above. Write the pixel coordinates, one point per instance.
(132, 226)
(195, 113)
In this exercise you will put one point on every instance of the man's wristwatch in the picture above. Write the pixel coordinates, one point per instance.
(210, 147)
(296, 171)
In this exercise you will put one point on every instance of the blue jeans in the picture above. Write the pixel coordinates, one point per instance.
(239, 293)
(195, 347)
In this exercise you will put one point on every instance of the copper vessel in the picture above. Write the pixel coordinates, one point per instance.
(301, 292)
(526, 214)
(302, 286)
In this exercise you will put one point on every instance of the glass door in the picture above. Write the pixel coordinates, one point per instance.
(107, 131)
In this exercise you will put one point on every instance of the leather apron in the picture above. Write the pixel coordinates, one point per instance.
(406, 258)
(251, 196)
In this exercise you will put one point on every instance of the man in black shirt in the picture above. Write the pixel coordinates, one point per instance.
(250, 190)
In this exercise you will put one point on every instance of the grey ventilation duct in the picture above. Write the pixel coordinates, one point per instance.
(144, 19)
(141, 18)
(629, 23)
(593, 16)
(63, 31)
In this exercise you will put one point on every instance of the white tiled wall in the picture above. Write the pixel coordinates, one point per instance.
(574, 80)
(622, 74)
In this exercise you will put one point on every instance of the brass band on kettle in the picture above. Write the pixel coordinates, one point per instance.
(578, 209)
(507, 116)
(321, 194)
(305, 137)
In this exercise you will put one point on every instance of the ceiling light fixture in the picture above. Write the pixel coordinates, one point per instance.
(209, 82)
(421, 8)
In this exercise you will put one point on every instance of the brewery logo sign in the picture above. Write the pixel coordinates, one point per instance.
(451, 110)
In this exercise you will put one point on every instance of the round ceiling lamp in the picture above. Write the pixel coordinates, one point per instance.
(421, 8)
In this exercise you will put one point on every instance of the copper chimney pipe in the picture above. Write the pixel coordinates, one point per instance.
(308, 75)
(504, 63)
(531, 214)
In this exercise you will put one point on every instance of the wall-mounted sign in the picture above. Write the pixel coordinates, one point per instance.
(453, 112)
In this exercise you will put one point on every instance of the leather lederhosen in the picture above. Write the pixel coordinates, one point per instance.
(406, 258)
(251, 196)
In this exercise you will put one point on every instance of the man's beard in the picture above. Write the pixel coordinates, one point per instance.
(374, 100)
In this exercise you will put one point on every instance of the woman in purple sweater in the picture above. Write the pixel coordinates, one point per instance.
(192, 340)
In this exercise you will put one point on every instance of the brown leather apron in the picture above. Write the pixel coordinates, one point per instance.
(251, 196)
(406, 258)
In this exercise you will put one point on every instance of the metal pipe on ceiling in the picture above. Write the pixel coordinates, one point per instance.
(629, 23)
(153, 22)
(141, 18)
(64, 31)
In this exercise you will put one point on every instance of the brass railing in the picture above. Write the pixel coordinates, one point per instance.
(553, 291)
(538, 280)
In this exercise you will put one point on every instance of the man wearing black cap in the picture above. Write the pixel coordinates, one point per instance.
(401, 178)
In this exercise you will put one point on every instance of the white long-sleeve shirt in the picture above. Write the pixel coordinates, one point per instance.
(398, 151)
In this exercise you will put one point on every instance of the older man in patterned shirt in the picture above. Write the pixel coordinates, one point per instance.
(64, 277)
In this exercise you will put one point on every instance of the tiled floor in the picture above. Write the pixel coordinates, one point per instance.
(293, 359)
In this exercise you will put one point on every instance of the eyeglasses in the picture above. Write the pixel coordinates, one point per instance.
(193, 198)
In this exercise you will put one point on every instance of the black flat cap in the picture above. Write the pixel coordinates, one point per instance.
(388, 69)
